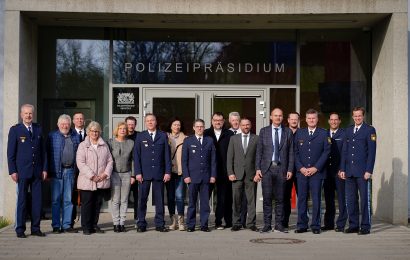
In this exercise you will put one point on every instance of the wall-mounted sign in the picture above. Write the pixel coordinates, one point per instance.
(148, 62)
(125, 100)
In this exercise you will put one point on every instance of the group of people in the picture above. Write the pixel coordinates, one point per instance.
(214, 163)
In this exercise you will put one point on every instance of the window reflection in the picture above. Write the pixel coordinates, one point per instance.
(334, 78)
(149, 62)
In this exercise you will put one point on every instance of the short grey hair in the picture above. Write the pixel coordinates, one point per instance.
(27, 105)
(234, 114)
(64, 117)
(93, 124)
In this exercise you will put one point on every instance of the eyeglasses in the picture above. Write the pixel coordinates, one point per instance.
(94, 131)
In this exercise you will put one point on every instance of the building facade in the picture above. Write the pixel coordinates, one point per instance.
(110, 59)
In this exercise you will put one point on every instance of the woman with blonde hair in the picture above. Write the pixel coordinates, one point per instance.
(121, 179)
(95, 164)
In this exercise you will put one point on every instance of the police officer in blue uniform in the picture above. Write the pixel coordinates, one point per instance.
(26, 157)
(199, 169)
(356, 167)
(152, 163)
(312, 147)
(332, 182)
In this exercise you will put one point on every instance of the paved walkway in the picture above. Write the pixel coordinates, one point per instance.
(385, 242)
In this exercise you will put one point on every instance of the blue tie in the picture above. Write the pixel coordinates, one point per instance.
(276, 158)
(31, 132)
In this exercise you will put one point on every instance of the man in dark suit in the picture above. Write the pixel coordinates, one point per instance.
(221, 136)
(312, 149)
(356, 167)
(152, 163)
(332, 182)
(241, 171)
(199, 169)
(293, 123)
(132, 134)
(27, 163)
(80, 133)
(274, 165)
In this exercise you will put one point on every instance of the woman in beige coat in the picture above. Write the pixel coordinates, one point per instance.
(95, 164)
(176, 187)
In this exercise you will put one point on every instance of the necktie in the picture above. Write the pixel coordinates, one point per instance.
(333, 133)
(199, 140)
(81, 135)
(356, 129)
(310, 133)
(30, 132)
(245, 143)
(152, 136)
(276, 158)
(234, 132)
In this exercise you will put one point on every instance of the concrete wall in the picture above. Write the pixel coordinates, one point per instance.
(390, 117)
(212, 6)
(1, 95)
(20, 86)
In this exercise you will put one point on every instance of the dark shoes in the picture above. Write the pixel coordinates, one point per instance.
(69, 230)
(161, 229)
(326, 228)
(190, 229)
(266, 229)
(280, 229)
(351, 230)
(21, 235)
(254, 228)
(316, 231)
(117, 228)
(56, 230)
(364, 232)
(98, 230)
(301, 230)
(339, 229)
(86, 232)
(236, 228)
(122, 228)
(205, 229)
(38, 234)
(141, 229)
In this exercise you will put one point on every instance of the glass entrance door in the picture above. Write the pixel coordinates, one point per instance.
(189, 104)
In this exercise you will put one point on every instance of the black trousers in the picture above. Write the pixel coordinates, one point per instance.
(287, 199)
(223, 201)
(88, 209)
(36, 204)
(134, 192)
(101, 195)
(273, 186)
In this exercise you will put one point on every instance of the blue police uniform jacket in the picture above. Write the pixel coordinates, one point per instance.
(26, 154)
(359, 151)
(333, 163)
(55, 146)
(199, 161)
(152, 159)
(312, 151)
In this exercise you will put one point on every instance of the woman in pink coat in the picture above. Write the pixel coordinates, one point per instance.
(95, 164)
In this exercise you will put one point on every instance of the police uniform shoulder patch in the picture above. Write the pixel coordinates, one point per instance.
(329, 140)
(373, 137)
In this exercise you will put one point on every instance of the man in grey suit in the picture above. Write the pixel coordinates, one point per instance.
(274, 165)
(241, 171)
